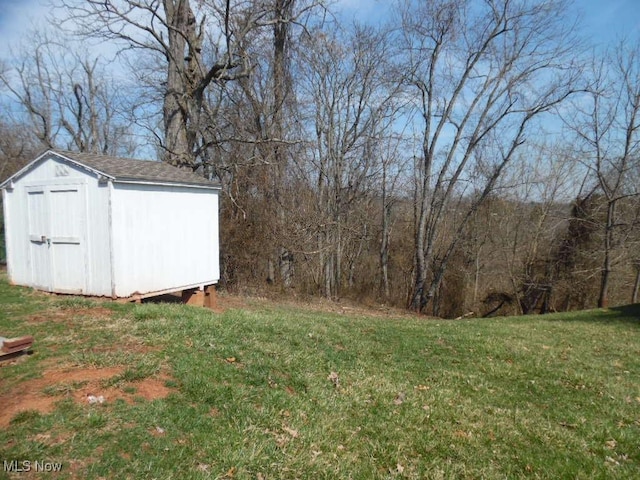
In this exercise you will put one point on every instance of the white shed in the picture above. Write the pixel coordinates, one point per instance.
(97, 225)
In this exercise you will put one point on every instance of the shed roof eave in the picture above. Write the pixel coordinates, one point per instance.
(32, 164)
(95, 171)
(139, 181)
(114, 177)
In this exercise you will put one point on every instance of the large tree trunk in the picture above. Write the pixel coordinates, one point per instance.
(603, 298)
(281, 87)
(636, 284)
(384, 244)
(175, 108)
(418, 298)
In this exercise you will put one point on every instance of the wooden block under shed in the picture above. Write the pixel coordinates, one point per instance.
(193, 296)
(210, 297)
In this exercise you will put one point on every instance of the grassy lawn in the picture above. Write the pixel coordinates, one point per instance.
(272, 391)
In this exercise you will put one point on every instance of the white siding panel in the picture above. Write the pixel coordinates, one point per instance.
(17, 235)
(15, 217)
(164, 237)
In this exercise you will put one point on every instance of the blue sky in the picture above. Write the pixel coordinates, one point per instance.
(607, 21)
(16, 18)
(604, 21)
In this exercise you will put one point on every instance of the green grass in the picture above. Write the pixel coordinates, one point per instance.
(282, 392)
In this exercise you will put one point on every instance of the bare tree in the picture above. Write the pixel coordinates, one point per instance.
(67, 98)
(349, 103)
(171, 31)
(392, 171)
(16, 148)
(482, 73)
(606, 124)
(544, 182)
(268, 94)
(195, 45)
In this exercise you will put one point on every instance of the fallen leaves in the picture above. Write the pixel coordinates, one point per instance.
(397, 470)
(334, 378)
(233, 361)
(611, 461)
(401, 397)
(290, 431)
(283, 436)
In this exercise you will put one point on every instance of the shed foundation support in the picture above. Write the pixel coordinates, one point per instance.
(193, 296)
(210, 297)
(200, 297)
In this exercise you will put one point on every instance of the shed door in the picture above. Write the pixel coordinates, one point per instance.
(67, 210)
(38, 231)
(57, 233)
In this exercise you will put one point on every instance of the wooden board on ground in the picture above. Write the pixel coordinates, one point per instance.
(11, 346)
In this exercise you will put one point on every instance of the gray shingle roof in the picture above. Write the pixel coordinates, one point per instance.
(142, 170)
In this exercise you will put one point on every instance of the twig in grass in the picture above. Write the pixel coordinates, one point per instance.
(568, 425)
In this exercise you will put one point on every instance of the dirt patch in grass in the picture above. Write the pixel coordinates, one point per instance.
(84, 385)
(66, 314)
(41, 394)
(225, 301)
(131, 346)
(151, 388)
